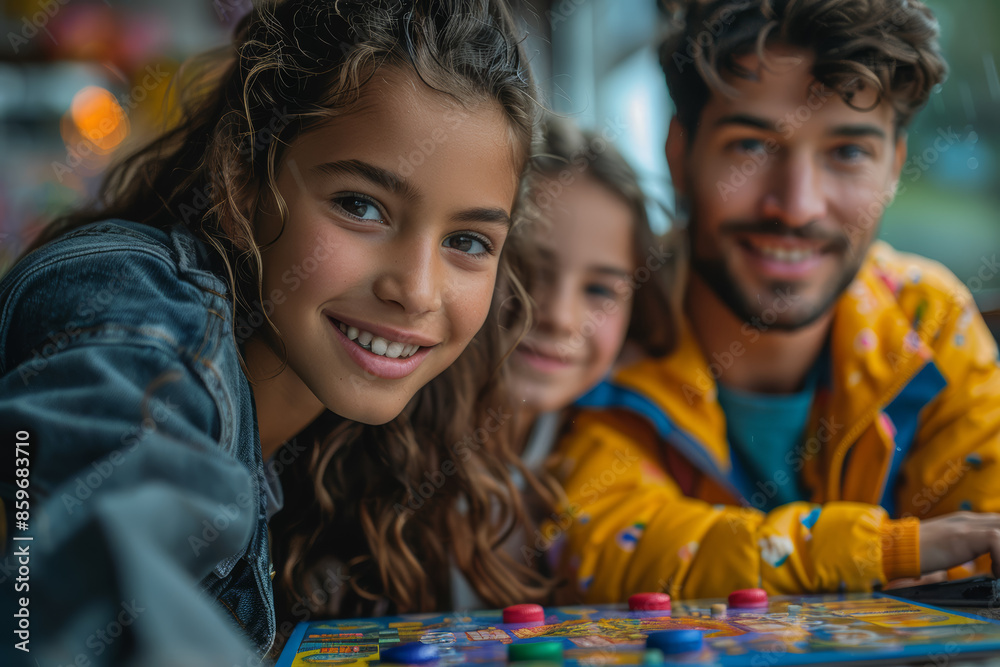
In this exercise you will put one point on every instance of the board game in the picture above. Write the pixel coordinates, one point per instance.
(855, 628)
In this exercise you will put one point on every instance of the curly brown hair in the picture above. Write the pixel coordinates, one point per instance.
(353, 496)
(889, 46)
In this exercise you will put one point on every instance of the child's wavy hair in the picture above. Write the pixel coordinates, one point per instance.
(357, 496)
(567, 152)
(889, 46)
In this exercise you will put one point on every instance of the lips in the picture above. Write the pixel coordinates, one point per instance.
(369, 358)
(378, 345)
(543, 358)
(781, 258)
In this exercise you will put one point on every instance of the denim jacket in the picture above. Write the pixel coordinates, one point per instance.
(119, 369)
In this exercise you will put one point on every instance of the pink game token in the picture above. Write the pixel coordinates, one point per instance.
(649, 602)
(748, 597)
(524, 613)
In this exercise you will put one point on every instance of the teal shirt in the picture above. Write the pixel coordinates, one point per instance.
(762, 430)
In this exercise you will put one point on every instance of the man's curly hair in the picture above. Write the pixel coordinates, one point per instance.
(889, 46)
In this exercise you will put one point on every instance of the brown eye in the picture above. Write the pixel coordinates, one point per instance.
(472, 244)
(358, 207)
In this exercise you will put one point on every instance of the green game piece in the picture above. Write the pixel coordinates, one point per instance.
(540, 651)
(653, 656)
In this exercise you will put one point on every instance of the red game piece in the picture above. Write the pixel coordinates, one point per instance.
(649, 602)
(524, 613)
(748, 597)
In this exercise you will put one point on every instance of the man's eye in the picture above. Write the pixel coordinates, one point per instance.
(358, 207)
(850, 153)
(749, 146)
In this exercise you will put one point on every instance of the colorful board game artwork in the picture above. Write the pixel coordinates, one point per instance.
(812, 630)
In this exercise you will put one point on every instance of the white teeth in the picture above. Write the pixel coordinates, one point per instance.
(787, 255)
(379, 345)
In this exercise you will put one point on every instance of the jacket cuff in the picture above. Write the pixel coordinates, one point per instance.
(901, 548)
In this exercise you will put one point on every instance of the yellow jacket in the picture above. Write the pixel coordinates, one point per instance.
(905, 425)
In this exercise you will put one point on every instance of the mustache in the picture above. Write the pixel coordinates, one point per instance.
(776, 228)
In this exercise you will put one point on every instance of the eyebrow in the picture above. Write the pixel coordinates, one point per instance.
(369, 172)
(487, 214)
(858, 130)
(747, 119)
(612, 271)
(398, 185)
(602, 269)
(862, 130)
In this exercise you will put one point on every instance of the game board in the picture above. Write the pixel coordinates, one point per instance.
(792, 630)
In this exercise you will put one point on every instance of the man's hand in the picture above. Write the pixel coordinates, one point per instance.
(954, 539)
(932, 578)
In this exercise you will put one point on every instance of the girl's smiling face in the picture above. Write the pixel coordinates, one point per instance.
(386, 264)
(582, 294)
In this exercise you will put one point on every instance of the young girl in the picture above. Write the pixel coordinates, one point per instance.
(297, 281)
(604, 289)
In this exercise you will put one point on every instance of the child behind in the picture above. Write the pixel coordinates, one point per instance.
(288, 265)
(604, 283)
(602, 287)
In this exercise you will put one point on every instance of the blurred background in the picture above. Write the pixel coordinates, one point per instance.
(81, 79)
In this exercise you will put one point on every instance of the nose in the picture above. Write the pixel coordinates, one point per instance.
(796, 193)
(558, 307)
(412, 276)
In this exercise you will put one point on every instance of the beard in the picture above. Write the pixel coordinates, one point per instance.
(747, 303)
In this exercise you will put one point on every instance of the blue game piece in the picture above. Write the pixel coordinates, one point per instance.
(409, 654)
(672, 642)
